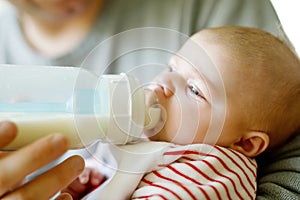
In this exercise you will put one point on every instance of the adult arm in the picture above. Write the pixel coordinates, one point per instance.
(279, 173)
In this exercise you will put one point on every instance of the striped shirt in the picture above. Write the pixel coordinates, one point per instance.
(200, 171)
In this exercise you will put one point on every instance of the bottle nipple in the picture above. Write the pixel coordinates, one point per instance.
(153, 111)
(152, 117)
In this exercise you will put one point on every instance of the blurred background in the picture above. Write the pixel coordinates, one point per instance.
(288, 12)
(289, 15)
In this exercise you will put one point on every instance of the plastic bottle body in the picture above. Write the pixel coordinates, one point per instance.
(72, 102)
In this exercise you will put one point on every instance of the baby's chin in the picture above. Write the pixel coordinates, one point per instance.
(150, 134)
(163, 136)
(160, 136)
(153, 135)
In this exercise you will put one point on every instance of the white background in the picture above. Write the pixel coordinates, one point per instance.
(288, 12)
(289, 15)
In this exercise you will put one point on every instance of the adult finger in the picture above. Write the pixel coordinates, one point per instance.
(15, 167)
(8, 132)
(49, 183)
(64, 196)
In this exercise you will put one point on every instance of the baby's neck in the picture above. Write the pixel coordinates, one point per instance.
(54, 39)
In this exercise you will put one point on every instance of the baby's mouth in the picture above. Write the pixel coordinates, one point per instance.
(156, 115)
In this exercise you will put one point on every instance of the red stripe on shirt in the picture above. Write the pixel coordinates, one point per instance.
(203, 192)
(249, 159)
(245, 174)
(210, 179)
(149, 196)
(222, 175)
(161, 187)
(176, 182)
(189, 152)
(235, 173)
(186, 158)
(246, 163)
(189, 178)
(181, 152)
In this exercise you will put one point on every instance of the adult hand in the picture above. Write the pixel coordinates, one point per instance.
(15, 166)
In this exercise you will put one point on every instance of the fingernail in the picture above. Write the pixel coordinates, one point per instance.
(96, 181)
(83, 180)
(64, 196)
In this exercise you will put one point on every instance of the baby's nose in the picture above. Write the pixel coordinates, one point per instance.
(168, 90)
(163, 90)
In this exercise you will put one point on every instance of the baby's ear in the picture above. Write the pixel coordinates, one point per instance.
(252, 143)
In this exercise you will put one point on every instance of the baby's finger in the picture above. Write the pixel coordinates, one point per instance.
(96, 178)
(84, 177)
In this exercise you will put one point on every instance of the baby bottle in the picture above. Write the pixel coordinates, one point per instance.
(74, 102)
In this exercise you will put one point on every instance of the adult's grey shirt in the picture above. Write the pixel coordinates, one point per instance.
(126, 43)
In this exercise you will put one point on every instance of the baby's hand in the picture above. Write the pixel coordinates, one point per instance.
(87, 181)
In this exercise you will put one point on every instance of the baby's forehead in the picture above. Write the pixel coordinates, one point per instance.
(194, 58)
(205, 55)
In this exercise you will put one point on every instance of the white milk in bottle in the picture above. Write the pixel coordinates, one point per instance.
(74, 102)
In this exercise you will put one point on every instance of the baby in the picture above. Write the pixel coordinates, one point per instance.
(228, 95)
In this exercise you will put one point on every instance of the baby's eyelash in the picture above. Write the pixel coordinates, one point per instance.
(196, 92)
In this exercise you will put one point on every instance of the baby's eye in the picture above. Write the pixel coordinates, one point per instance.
(196, 92)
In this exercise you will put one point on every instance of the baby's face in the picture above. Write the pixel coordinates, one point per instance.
(184, 99)
(191, 93)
